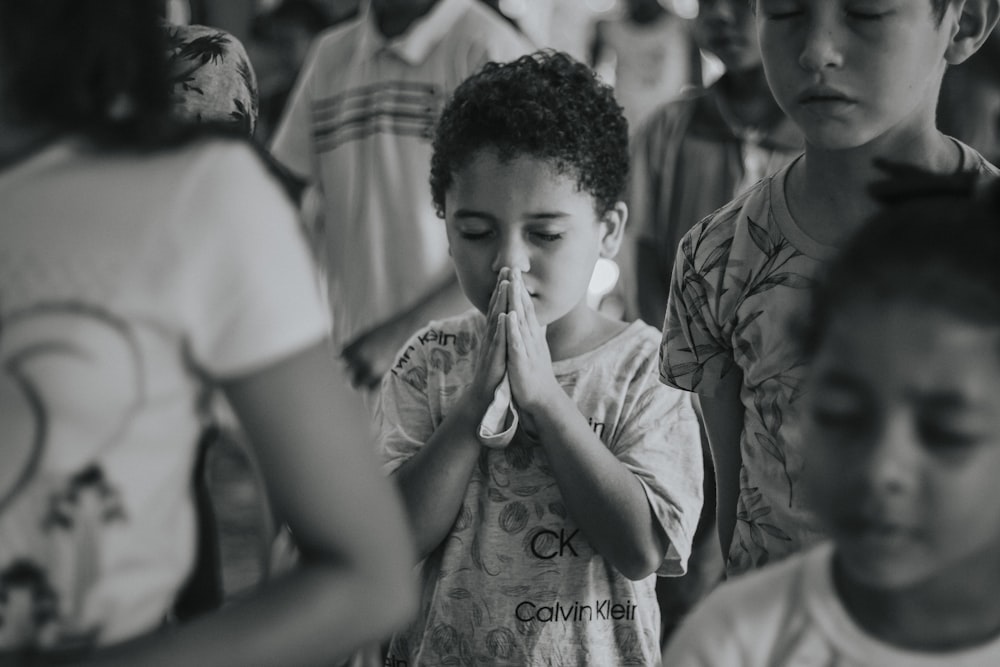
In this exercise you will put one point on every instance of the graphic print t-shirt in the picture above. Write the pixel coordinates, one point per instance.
(516, 582)
(741, 282)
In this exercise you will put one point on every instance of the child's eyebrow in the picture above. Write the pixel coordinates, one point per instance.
(548, 215)
(465, 214)
(943, 401)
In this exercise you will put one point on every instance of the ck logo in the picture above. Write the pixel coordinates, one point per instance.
(547, 544)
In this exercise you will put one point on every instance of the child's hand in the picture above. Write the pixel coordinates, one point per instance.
(493, 350)
(529, 365)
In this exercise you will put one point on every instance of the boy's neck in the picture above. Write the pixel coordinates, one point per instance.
(827, 190)
(581, 330)
(958, 610)
(395, 21)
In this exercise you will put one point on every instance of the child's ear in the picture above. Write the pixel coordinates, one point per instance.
(614, 229)
(975, 23)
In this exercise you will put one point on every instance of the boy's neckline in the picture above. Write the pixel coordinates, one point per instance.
(830, 219)
(852, 614)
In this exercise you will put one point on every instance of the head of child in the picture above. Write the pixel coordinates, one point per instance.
(849, 73)
(727, 29)
(101, 70)
(530, 161)
(902, 408)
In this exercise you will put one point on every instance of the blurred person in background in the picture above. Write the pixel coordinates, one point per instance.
(358, 127)
(143, 264)
(648, 54)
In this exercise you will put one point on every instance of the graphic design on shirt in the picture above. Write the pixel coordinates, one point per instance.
(401, 108)
(71, 382)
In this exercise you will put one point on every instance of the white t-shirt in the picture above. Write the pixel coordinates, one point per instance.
(126, 282)
(515, 582)
(789, 615)
(359, 125)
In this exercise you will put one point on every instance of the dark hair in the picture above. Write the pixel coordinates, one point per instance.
(545, 105)
(95, 66)
(939, 248)
(938, 7)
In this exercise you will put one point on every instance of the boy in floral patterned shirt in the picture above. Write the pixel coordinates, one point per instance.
(542, 530)
(862, 84)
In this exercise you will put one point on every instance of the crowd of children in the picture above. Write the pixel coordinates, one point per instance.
(833, 331)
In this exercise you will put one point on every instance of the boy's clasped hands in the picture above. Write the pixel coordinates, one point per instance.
(515, 367)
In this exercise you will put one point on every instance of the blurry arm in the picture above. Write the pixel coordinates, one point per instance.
(311, 435)
(723, 419)
(370, 355)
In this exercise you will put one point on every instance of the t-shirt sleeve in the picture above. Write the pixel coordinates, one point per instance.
(706, 638)
(659, 442)
(403, 419)
(696, 352)
(292, 144)
(251, 294)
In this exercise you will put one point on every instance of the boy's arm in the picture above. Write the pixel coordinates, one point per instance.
(723, 418)
(604, 497)
(433, 481)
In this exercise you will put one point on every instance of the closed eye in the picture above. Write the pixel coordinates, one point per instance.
(867, 16)
(475, 236)
(547, 237)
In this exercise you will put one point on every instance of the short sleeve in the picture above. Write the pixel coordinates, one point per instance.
(706, 638)
(695, 353)
(250, 294)
(403, 419)
(292, 144)
(659, 442)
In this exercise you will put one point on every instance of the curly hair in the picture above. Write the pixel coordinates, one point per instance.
(545, 105)
(935, 243)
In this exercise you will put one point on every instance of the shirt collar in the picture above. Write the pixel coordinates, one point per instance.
(414, 45)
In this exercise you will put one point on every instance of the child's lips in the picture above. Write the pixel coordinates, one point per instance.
(824, 96)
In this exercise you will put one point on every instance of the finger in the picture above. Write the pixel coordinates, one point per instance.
(499, 358)
(501, 276)
(515, 339)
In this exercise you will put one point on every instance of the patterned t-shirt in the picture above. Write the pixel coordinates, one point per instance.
(515, 582)
(741, 280)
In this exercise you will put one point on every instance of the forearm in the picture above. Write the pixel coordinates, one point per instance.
(291, 617)
(604, 498)
(723, 420)
(434, 481)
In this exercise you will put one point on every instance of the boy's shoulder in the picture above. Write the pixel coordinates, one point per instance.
(336, 43)
(752, 208)
(751, 615)
(461, 331)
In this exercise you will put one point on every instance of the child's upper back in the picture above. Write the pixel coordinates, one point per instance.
(515, 579)
(114, 311)
(742, 276)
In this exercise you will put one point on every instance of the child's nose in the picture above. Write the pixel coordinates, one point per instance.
(512, 253)
(892, 458)
(821, 49)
